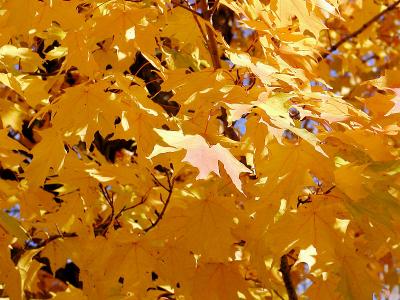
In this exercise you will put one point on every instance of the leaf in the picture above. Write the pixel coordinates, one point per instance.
(48, 155)
(201, 155)
(323, 288)
(350, 180)
(31, 88)
(10, 276)
(390, 82)
(307, 18)
(14, 228)
(83, 117)
(191, 35)
(396, 100)
(70, 292)
(25, 59)
(210, 215)
(276, 109)
(263, 71)
(354, 270)
(313, 224)
(287, 170)
(212, 280)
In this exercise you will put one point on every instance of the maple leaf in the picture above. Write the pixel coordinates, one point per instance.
(354, 270)
(12, 227)
(312, 225)
(209, 214)
(396, 100)
(307, 18)
(10, 275)
(95, 107)
(391, 83)
(10, 56)
(287, 170)
(216, 277)
(201, 155)
(323, 288)
(178, 16)
(48, 154)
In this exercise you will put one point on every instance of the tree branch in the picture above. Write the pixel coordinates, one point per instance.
(213, 8)
(211, 41)
(177, 3)
(158, 182)
(160, 214)
(109, 199)
(206, 14)
(358, 31)
(213, 47)
(285, 270)
(280, 297)
(126, 208)
(103, 227)
(51, 238)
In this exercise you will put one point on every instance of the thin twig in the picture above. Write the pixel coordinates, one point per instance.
(126, 208)
(206, 14)
(203, 34)
(186, 7)
(43, 74)
(285, 270)
(213, 8)
(280, 297)
(160, 215)
(133, 206)
(110, 219)
(359, 30)
(169, 188)
(108, 199)
(211, 41)
(159, 182)
(55, 237)
(213, 47)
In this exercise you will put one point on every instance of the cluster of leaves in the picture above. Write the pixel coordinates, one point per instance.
(199, 149)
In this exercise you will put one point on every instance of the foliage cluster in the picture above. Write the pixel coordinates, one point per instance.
(226, 149)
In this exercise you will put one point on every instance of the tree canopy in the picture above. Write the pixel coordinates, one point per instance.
(199, 149)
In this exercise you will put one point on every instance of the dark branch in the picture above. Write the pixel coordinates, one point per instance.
(55, 237)
(126, 208)
(108, 198)
(285, 270)
(211, 41)
(280, 297)
(206, 14)
(160, 214)
(102, 228)
(177, 3)
(158, 182)
(213, 8)
(359, 30)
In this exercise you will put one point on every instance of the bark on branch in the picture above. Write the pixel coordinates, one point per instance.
(285, 270)
(210, 39)
(359, 30)
(169, 188)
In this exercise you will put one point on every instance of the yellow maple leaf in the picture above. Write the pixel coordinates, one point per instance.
(48, 155)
